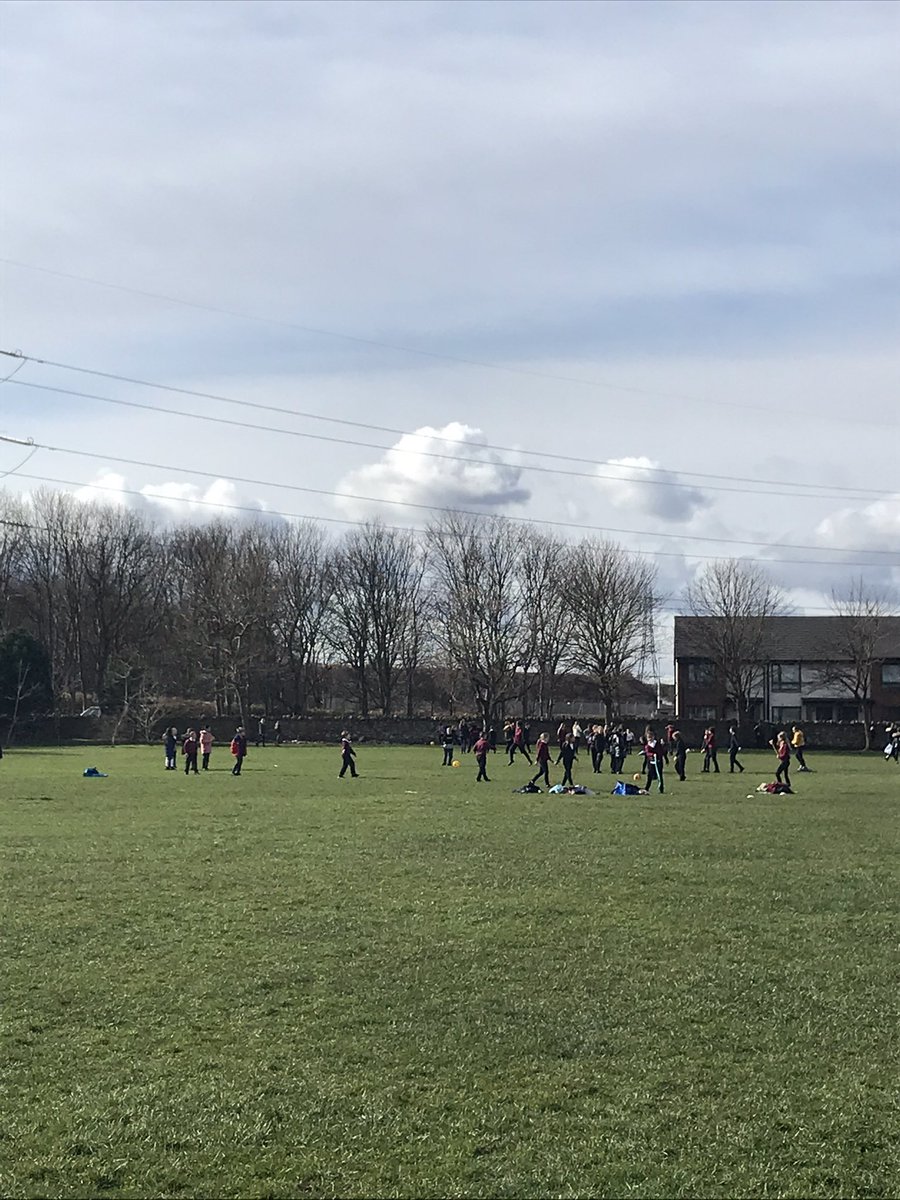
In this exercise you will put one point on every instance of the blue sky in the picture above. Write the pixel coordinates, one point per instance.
(691, 208)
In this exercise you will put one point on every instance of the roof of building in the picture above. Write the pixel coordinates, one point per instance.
(792, 639)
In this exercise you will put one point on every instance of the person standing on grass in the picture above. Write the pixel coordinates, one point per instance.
(614, 745)
(518, 743)
(189, 750)
(798, 741)
(464, 737)
(481, 748)
(206, 741)
(733, 751)
(654, 757)
(709, 750)
(598, 747)
(568, 754)
(679, 753)
(782, 749)
(542, 757)
(170, 738)
(561, 734)
(261, 733)
(447, 746)
(348, 754)
(577, 731)
(238, 749)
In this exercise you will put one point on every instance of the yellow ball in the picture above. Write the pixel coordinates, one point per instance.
(456, 762)
(635, 777)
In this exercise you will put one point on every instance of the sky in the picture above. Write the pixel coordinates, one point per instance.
(631, 270)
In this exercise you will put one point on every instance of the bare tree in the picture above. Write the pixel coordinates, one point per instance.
(547, 614)
(122, 576)
(416, 638)
(24, 678)
(51, 588)
(734, 600)
(13, 529)
(377, 577)
(303, 589)
(858, 638)
(476, 570)
(611, 596)
(223, 606)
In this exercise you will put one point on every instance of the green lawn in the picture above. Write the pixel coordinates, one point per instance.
(406, 985)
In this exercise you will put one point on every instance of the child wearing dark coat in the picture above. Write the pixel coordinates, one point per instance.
(348, 754)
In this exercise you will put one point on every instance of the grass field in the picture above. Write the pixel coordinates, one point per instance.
(405, 985)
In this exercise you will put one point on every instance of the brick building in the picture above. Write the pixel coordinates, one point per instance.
(804, 672)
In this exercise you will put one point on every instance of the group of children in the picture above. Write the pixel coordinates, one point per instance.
(196, 745)
(616, 741)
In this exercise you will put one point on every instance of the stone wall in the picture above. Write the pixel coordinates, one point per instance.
(51, 731)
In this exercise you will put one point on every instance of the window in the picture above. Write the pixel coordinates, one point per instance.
(702, 673)
(848, 712)
(890, 674)
(786, 677)
(822, 712)
(783, 714)
(702, 712)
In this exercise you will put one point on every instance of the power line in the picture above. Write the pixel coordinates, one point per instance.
(261, 513)
(434, 355)
(321, 437)
(819, 491)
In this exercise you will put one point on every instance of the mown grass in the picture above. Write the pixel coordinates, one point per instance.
(406, 985)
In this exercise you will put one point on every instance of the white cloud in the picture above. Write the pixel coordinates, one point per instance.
(173, 501)
(407, 476)
(875, 527)
(641, 485)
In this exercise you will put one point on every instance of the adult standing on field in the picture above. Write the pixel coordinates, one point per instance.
(238, 749)
(798, 742)
(481, 748)
(348, 754)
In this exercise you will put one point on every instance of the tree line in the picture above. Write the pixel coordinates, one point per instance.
(104, 605)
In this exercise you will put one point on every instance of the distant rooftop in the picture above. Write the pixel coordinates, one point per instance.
(791, 639)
